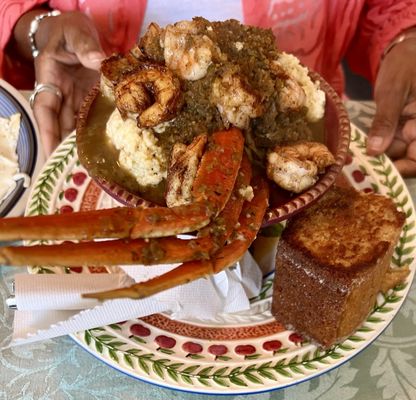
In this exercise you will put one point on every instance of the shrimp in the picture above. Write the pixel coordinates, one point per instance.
(295, 167)
(151, 94)
(150, 43)
(235, 100)
(186, 51)
(298, 90)
(115, 67)
(182, 171)
(291, 96)
(131, 97)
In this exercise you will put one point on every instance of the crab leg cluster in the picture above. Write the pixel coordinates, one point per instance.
(243, 235)
(222, 222)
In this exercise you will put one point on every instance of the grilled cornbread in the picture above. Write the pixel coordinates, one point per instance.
(331, 261)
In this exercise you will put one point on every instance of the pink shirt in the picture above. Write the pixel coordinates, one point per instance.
(320, 32)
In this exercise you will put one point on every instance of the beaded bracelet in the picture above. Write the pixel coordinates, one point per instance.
(34, 26)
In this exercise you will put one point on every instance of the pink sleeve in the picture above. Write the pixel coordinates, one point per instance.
(380, 22)
(10, 12)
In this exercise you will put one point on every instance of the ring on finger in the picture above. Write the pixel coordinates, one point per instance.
(44, 87)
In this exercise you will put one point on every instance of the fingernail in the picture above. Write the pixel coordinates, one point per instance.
(375, 143)
(96, 56)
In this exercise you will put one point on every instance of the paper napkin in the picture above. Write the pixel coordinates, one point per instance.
(51, 305)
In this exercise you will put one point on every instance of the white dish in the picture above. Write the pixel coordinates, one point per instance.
(252, 353)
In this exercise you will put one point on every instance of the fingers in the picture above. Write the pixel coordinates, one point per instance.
(383, 129)
(72, 39)
(409, 131)
(407, 166)
(395, 94)
(47, 105)
(397, 149)
(46, 110)
(403, 147)
(82, 39)
(410, 110)
(391, 93)
(406, 161)
(55, 120)
(66, 117)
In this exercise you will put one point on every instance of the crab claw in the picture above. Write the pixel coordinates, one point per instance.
(213, 184)
(244, 234)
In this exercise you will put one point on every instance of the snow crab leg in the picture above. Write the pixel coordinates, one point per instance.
(243, 235)
(138, 251)
(108, 223)
(109, 252)
(220, 229)
(212, 188)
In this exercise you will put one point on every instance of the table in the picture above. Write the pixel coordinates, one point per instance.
(60, 369)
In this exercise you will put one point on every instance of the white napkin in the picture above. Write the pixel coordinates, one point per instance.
(51, 305)
(63, 292)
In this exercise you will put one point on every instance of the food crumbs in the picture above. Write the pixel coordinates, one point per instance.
(239, 46)
(246, 193)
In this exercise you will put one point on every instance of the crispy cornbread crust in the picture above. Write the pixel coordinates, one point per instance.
(331, 261)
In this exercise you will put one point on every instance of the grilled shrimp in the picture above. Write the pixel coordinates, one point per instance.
(235, 100)
(295, 167)
(115, 67)
(151, 94)
(151, 42)
(299, 90)
(186, 51)
(291, 95)
(182, 170)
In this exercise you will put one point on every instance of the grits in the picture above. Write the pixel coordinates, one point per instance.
(315, 97)
(140, 153)
(9, 163)
(198, 77)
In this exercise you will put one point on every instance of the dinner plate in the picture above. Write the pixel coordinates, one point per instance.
(28, 149)
(246, 352)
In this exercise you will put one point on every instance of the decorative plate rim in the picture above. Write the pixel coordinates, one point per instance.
(248, 375)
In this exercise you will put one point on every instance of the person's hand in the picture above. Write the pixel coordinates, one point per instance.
(394, 127)
(69, 59)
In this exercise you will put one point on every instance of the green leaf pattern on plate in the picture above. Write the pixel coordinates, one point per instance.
(262, 370)
(40, 199)
(226, 376)
(394, 189)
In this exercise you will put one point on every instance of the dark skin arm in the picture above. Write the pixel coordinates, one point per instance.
(70, 57)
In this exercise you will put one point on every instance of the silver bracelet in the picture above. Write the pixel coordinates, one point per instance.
(34, 26)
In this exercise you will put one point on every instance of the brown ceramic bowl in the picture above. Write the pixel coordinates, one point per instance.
(282, 203)
(337, 134)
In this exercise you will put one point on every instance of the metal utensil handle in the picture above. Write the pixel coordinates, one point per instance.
(11, 303)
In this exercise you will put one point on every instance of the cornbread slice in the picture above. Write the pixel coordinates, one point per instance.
(331, 261)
